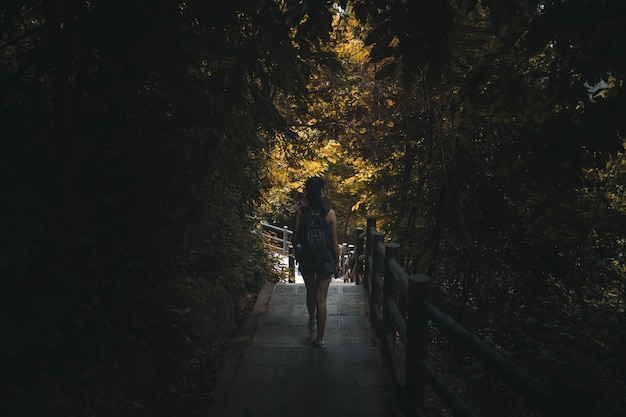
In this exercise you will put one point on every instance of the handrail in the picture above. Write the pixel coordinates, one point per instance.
(446, 393)
(276, 228)
(285, 240)
(283, 236)
(399, 273)
(280, 243)
(406, 312)
(509, 371)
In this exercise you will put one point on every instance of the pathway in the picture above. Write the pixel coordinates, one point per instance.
(271, 368)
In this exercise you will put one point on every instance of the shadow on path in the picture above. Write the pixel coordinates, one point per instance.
(272, 369)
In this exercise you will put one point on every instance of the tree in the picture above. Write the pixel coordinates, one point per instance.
(126, 125)
(520, 102)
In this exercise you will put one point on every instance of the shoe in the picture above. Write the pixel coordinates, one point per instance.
(312, 324)
(318, 344)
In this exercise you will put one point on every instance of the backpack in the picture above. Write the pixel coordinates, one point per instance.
(314, 238)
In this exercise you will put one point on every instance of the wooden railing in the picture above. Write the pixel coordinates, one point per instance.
(280, 242)
(401, 313)
(280, 237)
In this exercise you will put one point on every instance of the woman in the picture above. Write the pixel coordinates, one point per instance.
(317, 276)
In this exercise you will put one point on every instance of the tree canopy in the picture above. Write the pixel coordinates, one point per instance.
(143, 141)
(131, 154)
(490, 145)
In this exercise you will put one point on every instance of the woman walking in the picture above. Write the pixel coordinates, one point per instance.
(317, 252)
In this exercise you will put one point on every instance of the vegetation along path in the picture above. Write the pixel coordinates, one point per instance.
(143, 141)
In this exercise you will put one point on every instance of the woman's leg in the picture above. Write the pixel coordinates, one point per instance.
(310, 283)
(321, 291)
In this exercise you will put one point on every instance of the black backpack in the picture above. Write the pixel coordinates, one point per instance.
(314, 237)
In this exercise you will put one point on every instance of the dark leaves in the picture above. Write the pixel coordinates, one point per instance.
(379, 33)
(386, 71)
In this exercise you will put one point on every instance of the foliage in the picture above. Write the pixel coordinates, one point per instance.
(126, 125)
(501, 183)
(486, 136)
(333, 135)
(510, 125)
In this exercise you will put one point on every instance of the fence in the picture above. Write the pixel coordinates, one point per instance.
(280, 242)
(399, 309)
(279, 236)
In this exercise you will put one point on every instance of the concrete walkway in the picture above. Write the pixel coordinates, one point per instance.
(272, 369)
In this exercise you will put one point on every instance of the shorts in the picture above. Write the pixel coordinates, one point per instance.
(329, 267)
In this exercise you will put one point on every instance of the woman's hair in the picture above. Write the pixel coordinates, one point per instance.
(314, 187)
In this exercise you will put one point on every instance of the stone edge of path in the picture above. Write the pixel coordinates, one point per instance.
(235, 349)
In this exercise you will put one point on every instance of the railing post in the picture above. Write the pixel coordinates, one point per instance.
(376, 273)
(390, 286)
(349, 268)
(371, 225)
(343, 252)
(285, 240)
(358, 266)
(292, 265)
(417, 345)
